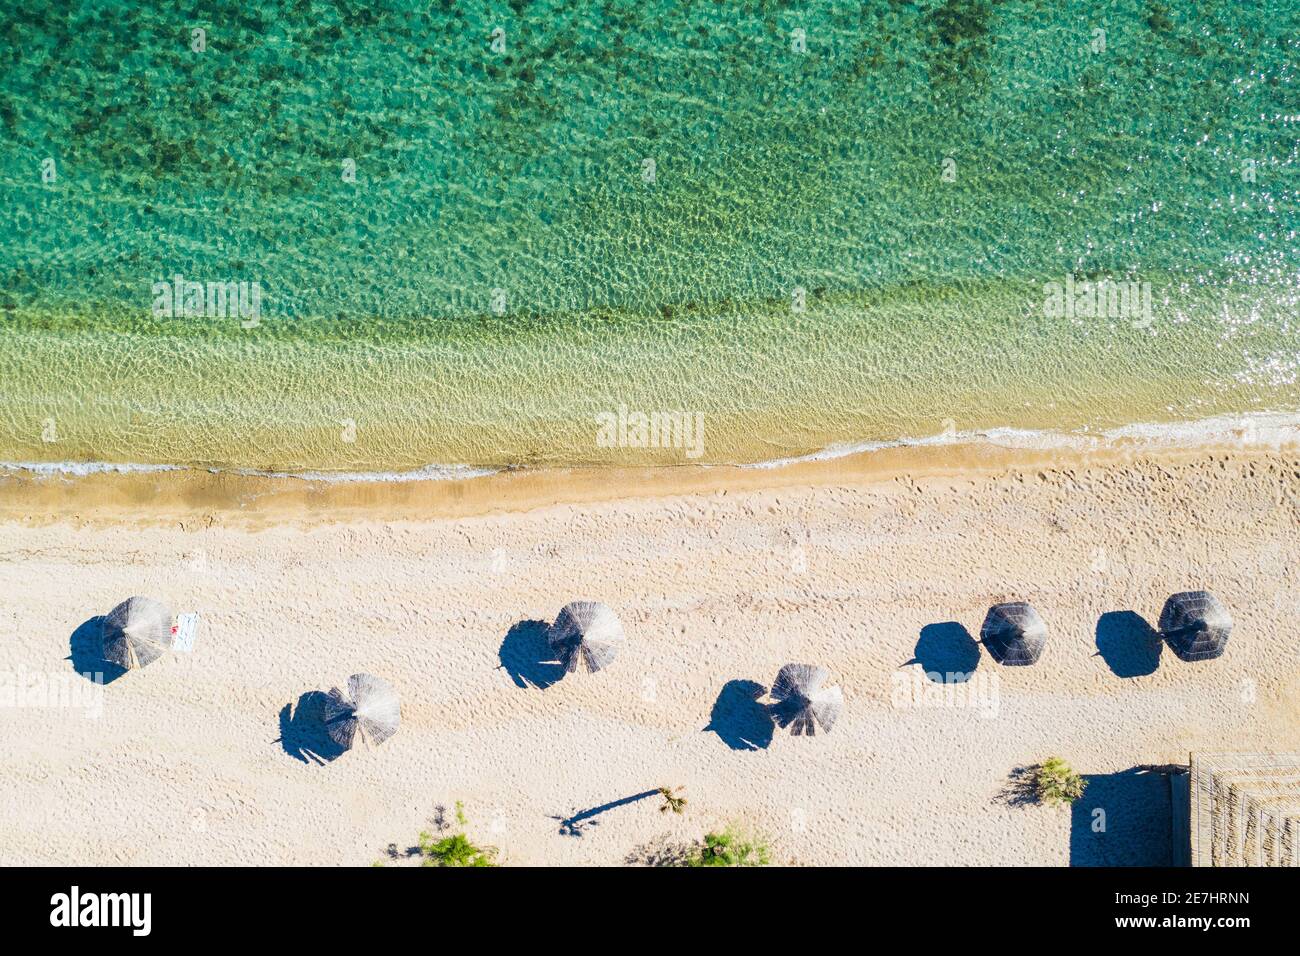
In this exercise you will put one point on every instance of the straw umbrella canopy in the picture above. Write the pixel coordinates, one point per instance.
(137, 632)
(1196, 625)
(369, 711)
(802, 702)
(1014, 634)
(587, 630)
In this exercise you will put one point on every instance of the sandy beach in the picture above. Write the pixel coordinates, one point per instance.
(878, 573)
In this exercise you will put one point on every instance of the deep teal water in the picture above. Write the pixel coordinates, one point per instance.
(504, 266)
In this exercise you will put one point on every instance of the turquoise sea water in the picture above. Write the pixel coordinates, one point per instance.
(810, 224)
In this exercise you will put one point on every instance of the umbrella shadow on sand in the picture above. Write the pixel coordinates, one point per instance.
(527, 656)
(739, 718)
(1129, 645)
(86, 651)
(946, 652)
(302, 730)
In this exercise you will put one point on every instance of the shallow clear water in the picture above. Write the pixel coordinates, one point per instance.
(505, 268)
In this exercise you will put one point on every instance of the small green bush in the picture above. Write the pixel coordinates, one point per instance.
(1056, 783)
(729, 848)
(455, 850)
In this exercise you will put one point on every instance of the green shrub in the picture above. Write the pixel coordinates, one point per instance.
(455, 850)
(1056, 783)
(729, 848)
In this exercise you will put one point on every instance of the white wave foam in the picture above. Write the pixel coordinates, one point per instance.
(1257, 430)
(427, 473)
(78, 469)
(844, 450)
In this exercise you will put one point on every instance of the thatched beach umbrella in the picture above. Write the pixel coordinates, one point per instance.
(369, 711)
(1014, 634)
(801, 701)
(137, 632)
(1196, 625)
(586, 630)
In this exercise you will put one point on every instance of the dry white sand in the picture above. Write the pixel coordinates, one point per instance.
(184, 764)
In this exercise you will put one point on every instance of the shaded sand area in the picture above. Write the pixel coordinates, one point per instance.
(719, 581)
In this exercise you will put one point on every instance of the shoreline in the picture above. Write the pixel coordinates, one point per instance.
(151, 495)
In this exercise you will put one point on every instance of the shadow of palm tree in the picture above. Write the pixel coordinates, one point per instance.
(1129, 645)
(574, 824)
(739, 719)
(302, 730)
(86, 651)
(1020, 789)
(946, 652)
(527, 657)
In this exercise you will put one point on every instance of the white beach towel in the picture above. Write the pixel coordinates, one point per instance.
(186, 629)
